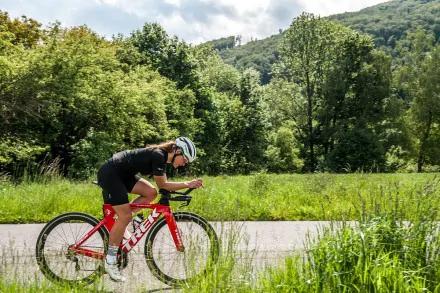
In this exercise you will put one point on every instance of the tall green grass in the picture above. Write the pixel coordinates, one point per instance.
(387, 250)
(229, 198)
(236, 268)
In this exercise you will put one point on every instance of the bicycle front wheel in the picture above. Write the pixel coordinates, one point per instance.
(54, 257)
(175, 267)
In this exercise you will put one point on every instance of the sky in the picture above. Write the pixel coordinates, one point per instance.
(194, 21)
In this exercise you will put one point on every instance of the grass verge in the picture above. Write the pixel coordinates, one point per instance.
(261, 197)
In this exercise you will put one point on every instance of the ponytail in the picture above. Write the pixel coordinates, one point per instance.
(168, 146)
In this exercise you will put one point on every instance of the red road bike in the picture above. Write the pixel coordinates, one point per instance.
(179, 247)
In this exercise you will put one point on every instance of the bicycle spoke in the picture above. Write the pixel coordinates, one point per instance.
(173, 266)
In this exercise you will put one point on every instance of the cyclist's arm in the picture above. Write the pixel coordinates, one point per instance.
(162, 182)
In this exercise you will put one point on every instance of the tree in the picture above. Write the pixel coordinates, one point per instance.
(282, 154)
(91, 106)
(15, 36)
(358, 108)
(342, 84)
(170, 56)
(307, 51)
(253, 139)
(19, 106)
(26, 32)
(412, 50)
(425, 111)
(416, 81)
(225, 43)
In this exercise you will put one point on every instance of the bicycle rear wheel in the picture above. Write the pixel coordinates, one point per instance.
(175, 267)
(54, 258)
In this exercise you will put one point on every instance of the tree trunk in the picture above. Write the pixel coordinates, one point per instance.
(425, 137)
(310, 124)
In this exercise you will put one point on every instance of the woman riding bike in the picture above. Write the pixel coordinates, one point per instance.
(118, 177)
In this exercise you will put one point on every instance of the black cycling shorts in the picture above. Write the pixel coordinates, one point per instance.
(115, 186)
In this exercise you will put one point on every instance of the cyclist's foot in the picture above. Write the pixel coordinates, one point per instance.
(113, 272)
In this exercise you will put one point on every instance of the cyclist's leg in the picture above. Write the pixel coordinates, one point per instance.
(146, 191)
(124, 217)
(115, 238)
(115, 193)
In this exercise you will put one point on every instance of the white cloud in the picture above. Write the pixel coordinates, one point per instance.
(194, 21)
(109, 2)
(325, 8)
(174, 2)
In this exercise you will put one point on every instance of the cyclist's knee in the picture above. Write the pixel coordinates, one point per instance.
(150, 193)
(153, 193)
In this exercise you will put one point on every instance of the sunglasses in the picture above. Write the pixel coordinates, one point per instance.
(183, 155)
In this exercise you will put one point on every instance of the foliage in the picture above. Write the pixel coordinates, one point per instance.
(260, 55)
(342, 86)
(84, 88)
(281, 154)
(14, 151)
(25, 32)
(170, 56)
(223, 43)
(417, 81)
(332, 102)
(388, 22)
(356, 150)
(90, 152)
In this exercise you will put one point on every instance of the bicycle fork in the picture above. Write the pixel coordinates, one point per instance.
(175, 232)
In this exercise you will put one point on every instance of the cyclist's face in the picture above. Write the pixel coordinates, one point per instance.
(180, 159)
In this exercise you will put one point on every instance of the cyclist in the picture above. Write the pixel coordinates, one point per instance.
(117, 177)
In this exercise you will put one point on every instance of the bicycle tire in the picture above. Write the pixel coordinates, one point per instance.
(200, 254)
(62, 232)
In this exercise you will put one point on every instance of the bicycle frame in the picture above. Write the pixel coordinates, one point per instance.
(109, 220)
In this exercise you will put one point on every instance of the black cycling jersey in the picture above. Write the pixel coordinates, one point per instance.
(143, 161)
(117, 176)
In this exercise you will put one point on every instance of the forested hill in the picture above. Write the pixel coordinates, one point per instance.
(387, 22)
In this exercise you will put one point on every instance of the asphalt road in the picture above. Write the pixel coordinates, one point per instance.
(263, 243)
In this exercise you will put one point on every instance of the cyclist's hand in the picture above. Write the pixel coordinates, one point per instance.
(195, 183)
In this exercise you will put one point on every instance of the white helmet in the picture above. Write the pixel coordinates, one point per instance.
(188, 148)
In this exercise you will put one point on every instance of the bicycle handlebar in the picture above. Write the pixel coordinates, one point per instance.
(183, 196)
(166, 192)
